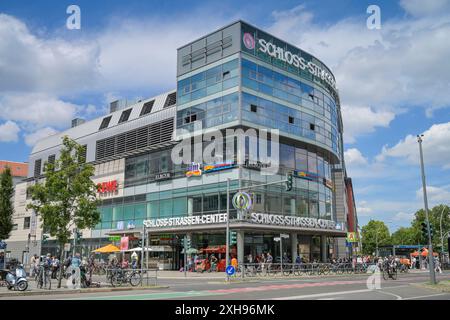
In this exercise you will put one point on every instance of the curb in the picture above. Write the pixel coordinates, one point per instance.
(40, 293)
(437, 287)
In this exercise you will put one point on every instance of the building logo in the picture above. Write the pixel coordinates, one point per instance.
(108, 186)
(249, 41)
(242, 201)
(217, 167)
(194, 170)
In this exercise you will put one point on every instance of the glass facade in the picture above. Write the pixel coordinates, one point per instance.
(211, 81)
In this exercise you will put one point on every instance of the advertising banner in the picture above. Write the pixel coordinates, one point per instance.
(352, 237)
(124, 243)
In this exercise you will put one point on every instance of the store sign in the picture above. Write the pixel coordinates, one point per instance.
(194, 170)
(292, 221)
(290, 58)
(352, 237)
(328, 183)
(256, 165)
(107, 186)
(114, 238)
(186, 221)
(305, 175)
(217, 167)
(163, 176)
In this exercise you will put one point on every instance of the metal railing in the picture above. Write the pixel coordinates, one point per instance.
(301, 269)
(145, 275)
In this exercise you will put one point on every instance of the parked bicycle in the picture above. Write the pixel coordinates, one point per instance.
(122, 276)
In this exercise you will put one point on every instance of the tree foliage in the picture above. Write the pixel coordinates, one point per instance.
(372, 233)
(6, 204)
(66, 199)
(405, 236)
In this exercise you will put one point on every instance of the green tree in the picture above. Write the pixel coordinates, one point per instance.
(374, 233)
(66, 199)
(434, 216)
(6, 205)
(404, 236)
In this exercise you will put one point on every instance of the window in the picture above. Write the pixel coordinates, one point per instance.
(14, 226)
(37, 167)
(291, 119)
(26, 222)
(253, 108)
(258, 198)
(51, 159)
(171, 100)
(147, 107)
(312, 126)
(105, 123)
(125, 115)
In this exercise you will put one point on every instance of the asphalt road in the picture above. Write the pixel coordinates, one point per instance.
(347, 287)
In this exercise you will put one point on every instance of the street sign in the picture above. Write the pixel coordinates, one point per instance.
(276, 239)
(3, 244)
(67, 247)
(284, 235)
(230, 270)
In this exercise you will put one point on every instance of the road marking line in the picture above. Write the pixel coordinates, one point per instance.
(322, 294)
(431, 295)
(390, 294)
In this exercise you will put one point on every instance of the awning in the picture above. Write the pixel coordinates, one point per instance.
(107, 249)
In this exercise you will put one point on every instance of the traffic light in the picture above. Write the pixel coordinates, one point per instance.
(288, 182)
(424, 231)
(78, 235)
(233, 237)
(431, 231)
(140, 243)
(45, 237)
(187, 242)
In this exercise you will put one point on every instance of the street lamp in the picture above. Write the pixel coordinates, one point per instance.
(425, 200)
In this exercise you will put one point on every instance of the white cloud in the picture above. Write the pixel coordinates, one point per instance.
(363, 120)
(429, 7)
(9, 132)
(353, 157)
(362, 209)
(436, 147)
(404, 217)
(32, 63)
(36, 110)
(381, 72)
(32, 138)
(435, 195)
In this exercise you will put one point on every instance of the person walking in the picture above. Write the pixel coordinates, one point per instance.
(269, 260)
(55, 267)
(34, 261)
(437, 265)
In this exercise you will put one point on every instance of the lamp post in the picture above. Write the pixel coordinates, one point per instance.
(440, 225)
(227, 236)
(425, 200)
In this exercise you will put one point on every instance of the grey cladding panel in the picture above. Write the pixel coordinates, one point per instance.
(211, 48)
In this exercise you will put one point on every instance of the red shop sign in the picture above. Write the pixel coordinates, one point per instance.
(108, 186)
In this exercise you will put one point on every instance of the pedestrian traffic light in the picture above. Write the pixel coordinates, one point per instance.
(424, 230)
(45, 237)
(233, 237)
(288, 182)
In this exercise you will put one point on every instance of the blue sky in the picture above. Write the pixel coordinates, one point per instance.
(394, 82)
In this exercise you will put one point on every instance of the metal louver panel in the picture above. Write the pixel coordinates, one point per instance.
(138, 139)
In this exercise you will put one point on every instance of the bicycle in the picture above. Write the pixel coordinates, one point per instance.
(122, 276)
(43, 278)
(389, 271)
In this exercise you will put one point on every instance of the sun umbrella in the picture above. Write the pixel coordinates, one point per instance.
(425, 253)
(107, 249)
(415, 254)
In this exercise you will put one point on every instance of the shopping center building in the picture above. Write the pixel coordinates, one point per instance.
(241, 78)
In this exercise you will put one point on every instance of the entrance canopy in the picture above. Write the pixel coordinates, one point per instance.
(151, 249)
